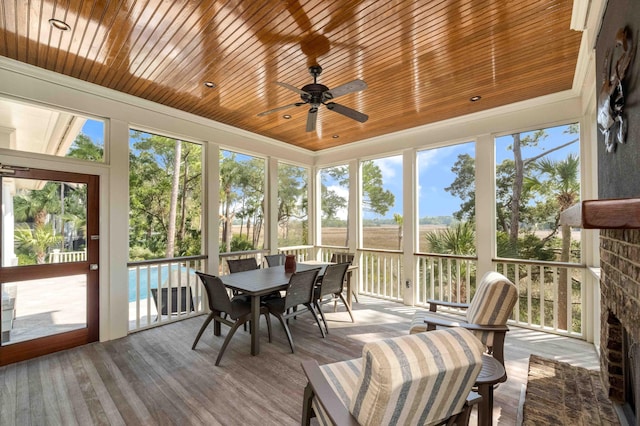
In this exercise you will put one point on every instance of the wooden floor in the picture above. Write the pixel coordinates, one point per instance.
(153, 377)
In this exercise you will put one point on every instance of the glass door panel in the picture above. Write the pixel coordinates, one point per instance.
(39, 308)
(49, 262)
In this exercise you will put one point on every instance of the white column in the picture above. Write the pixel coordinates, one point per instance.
(315, 211)
(271, 206)
(114, 285)
(211, 205)
(485, 203)
(409, 224)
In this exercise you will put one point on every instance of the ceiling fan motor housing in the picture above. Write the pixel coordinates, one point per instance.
(314, 93)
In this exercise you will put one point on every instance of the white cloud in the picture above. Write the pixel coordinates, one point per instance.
(389, 166)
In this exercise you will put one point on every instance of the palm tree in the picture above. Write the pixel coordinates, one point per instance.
(36, 205)
(36, 241)
(460, 240)
(563, 187)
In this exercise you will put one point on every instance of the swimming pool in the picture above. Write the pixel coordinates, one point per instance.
(153, 275)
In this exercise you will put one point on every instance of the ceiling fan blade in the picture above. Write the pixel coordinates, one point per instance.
(343, 89)
(311, 119)
(263, 113)
(347, 112)
(292, 88)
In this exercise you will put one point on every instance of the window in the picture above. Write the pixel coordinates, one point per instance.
(293, 225)
(242, 180)
(165, 197)
(382, 203)
(334, 205)
(537, 177)
(446, 200)
(31, 128)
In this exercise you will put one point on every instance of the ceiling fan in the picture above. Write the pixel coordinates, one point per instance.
(316, 94)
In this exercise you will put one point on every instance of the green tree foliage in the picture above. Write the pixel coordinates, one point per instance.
(464, 187)
(35, 242)
(151, 170)
(241, 198)
(292, 203)
(375, 198)
(84, 148)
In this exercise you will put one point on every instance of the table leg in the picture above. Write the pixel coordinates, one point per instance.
(485, 408)
(255, 325)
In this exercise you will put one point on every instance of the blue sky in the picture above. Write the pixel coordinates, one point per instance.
(95, 130)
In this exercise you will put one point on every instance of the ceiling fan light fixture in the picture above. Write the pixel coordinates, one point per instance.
(209, 84)
(59, 25)
(475, 98)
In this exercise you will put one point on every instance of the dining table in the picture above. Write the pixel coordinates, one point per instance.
(260, 282)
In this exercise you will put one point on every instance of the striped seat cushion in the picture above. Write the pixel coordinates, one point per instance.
(417, 379)
(492, 303)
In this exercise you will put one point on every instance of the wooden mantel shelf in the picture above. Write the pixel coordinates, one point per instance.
(623, 213)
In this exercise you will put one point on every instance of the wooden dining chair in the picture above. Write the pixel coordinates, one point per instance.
(237, 310)
(331, 285)
(299, 292)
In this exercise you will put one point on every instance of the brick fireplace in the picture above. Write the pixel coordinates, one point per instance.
(620, 310)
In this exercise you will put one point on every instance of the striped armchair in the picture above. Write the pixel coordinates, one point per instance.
(420, 379)
(486, 315)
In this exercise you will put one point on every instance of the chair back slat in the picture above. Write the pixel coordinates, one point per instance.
(275, 259)
(241, 265)
(342, 257)
(333, 279)
(216, 293)
(300, 289)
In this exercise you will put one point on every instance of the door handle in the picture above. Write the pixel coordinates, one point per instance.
(93, 267)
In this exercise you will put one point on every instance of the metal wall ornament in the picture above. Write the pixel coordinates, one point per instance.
(611, 119)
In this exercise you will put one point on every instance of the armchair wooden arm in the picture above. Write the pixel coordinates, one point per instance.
(319, 387)
(433, 304)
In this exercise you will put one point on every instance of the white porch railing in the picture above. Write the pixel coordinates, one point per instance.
(234, 255)
(445, 277)
(302, 252)
(57, 256)
(381, 273)
(454, 278)
(552, 295)
(326, 252)
(181, 293)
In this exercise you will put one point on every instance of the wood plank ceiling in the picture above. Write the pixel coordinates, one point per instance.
(422, 60)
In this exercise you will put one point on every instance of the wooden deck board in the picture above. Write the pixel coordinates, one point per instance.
(153, 377)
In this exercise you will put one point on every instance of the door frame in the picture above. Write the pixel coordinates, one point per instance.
(41, 346)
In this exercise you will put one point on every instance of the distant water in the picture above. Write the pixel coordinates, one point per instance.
(153, 273)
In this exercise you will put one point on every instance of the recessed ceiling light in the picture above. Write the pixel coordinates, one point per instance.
(210, 84)
(475, 98)
(286, 116)
(335, 136)
(59, 25)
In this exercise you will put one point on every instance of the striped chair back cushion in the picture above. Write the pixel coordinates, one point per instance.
(492, 303)
(343, 378)
(417, 379)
